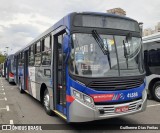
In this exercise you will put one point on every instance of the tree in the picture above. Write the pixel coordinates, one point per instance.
(2, 58)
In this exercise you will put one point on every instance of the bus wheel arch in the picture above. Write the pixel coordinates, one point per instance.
(42, 89)
(154, 83)
(44, 94)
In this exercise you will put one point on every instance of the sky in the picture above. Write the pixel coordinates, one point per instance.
(23, 20)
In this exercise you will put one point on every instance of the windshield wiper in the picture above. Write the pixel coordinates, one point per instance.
(101, 45)
(125, 53)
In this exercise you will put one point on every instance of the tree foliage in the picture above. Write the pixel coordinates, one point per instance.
(2, 58)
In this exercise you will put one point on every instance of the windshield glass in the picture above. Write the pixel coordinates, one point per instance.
(88, 58)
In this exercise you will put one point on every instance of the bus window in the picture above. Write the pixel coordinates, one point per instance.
(46, 54)
(31, 56)
(37, 60)
(46, 58)
(47, 43)
(37, 54)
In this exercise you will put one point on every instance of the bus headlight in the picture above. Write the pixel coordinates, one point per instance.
(77, 94)
(88, 99)
(82, 97)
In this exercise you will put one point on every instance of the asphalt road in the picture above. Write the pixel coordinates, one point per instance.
(16, 108)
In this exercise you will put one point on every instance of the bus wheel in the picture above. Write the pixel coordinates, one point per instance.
(46, 103)
(20, 87)
(156, 91)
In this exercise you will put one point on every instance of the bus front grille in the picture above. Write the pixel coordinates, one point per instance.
(116, 84)
(110, 109)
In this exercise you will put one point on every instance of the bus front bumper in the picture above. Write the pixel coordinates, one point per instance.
(79, 112)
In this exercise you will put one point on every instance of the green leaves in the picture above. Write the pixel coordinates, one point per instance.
(2, 58)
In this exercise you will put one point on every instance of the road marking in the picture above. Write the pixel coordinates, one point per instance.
(7, 108)
(153, 105)
(2, 89)
(3, 93)
(11, 122)
(4, 99)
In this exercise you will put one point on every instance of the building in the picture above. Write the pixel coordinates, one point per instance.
(157, 27)
(117, 11)
(149, 31)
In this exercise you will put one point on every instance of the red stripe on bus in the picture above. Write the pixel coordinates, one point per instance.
(11, 74)
(69, 98)
(102, 97)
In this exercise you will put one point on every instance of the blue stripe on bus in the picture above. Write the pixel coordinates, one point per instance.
(60, 109)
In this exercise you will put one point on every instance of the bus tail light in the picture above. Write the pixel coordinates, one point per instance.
(11, 74)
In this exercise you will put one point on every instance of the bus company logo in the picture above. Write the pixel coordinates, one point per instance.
(118, 96)
(122, 96)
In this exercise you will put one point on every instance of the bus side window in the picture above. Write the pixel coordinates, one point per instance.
(60, 40)
(31, 56)
(37, 54)
(46, 51)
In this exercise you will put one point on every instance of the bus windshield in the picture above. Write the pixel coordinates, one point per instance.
(123, 57)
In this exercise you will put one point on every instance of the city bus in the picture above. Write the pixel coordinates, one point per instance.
(88, 66)
(9, 68)
(151, 46)
(2, 69)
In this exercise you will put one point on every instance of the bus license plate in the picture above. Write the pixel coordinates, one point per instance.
(121, 109)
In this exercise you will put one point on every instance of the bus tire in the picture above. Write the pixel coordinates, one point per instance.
(20, 87)
(156, 91)
(46, 103)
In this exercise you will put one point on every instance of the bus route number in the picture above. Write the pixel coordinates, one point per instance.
(131, 95)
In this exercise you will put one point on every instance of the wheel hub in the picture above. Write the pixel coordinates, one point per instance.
(157, 92)
(46, 101)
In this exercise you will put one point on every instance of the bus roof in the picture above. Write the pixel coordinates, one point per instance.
(65, 21)
(152, 38)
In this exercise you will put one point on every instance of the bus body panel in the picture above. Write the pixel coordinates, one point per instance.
(37, 77)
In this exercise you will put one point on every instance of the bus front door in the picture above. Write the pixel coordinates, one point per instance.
(59, 75)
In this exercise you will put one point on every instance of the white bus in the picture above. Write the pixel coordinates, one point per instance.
(151, 45)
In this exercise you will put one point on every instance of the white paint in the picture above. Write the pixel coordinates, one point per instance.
(2, 86)
(11, 122)
(7, 108)
(2, 89)
(3, 93)
(4, 99)
(154, 105)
